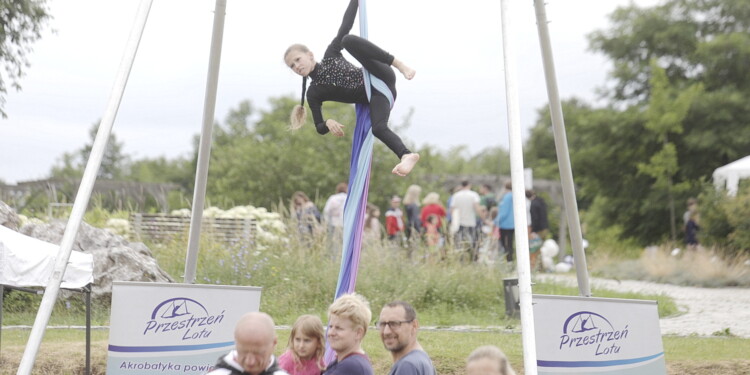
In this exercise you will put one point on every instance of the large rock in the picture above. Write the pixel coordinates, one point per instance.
(8, 217)
(114, 257)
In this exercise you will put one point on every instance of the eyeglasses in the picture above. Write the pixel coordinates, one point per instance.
(395, 324)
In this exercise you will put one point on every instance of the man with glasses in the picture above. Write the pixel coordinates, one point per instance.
(398, 327)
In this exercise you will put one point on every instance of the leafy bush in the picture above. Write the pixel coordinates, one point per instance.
(604, 239)
(725, 220)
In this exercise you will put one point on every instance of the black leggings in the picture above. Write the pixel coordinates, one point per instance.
(506, 242)
(378, 62)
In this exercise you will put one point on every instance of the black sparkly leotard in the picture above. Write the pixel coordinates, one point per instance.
(336, 79)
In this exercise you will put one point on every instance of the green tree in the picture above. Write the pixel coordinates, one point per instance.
(114, 163)
(160, 169)
(540, 153)
(606, 145)
(665, 114)
(256, 160)
(21, 23)
(696, 42)
(67, 166)
(262, 163)
(725, 220)
(491, 160)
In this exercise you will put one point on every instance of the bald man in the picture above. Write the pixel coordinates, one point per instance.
(255, 341)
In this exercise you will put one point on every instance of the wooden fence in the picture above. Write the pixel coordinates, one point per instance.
(162, 227)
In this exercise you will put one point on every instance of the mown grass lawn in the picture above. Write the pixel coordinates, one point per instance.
(63, 351)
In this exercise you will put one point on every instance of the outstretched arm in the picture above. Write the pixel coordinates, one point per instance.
(323, 127)
(346, 25)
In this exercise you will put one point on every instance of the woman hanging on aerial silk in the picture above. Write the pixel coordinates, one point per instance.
(336, 79)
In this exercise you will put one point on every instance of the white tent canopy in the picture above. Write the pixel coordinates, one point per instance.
(26, 261)
(729, 176)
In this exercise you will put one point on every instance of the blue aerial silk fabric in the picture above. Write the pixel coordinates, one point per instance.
(359, 182)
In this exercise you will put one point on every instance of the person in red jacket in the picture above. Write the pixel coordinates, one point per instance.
(394, 222)
(431, 206)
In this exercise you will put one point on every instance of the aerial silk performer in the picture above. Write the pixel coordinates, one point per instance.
(336, 79)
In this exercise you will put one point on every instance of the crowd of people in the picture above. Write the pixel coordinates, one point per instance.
(478, 225)
(349, 318)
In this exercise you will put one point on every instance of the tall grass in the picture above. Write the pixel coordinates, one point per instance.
(20, 309)
(703, 267)
(299, 276)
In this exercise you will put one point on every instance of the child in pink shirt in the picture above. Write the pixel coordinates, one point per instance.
(304, 354)
(432, 233)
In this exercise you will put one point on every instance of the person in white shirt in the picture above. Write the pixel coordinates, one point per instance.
(333, 211)
(333, 216)
(466, 201)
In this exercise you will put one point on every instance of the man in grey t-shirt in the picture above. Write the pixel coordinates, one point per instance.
(398, 327)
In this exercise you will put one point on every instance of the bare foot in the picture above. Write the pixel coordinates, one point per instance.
(405, 70)
(406, 165)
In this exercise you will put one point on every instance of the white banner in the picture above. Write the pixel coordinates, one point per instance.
(162, 328)
(579, 335)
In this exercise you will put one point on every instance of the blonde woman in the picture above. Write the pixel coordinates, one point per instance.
(431, 206)
(348, 319)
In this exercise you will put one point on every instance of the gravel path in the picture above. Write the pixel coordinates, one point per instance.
(705, 310)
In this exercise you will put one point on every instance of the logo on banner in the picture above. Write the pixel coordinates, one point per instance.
(586, 330)
(183, 317)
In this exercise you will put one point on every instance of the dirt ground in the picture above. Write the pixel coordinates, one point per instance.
(713, 368)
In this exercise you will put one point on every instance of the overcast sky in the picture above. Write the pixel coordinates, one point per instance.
(458, 94)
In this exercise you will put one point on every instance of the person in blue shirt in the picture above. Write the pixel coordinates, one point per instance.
(504, 221)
